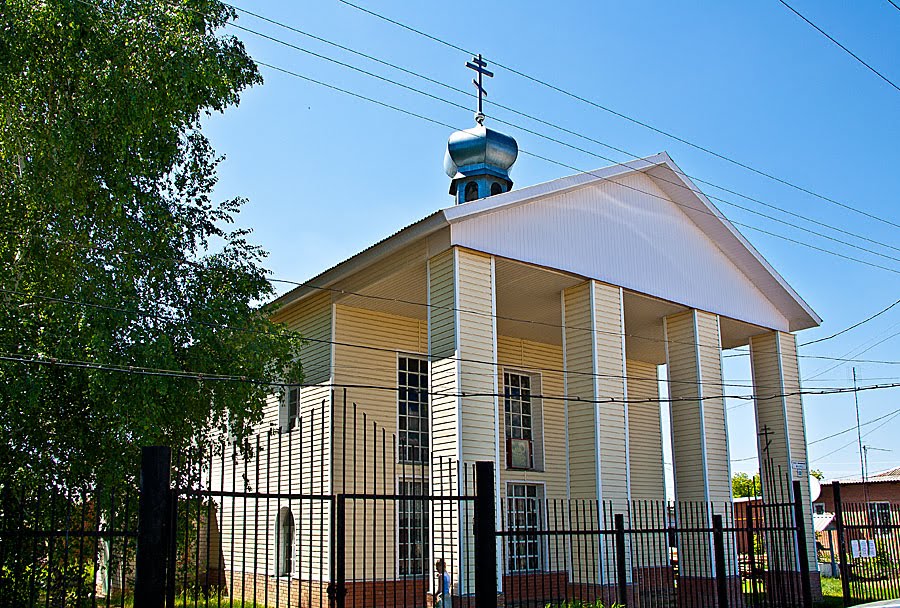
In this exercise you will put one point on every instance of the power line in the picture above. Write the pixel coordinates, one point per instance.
(853, 428)
(201, 377)
(894, 4)
(558, 127)
(845, 49)
(625, 116)
(853, 442)
(571, 167)
(395, 300)
(608, 159)
(136, 314)
(854, 326)
(867, 349)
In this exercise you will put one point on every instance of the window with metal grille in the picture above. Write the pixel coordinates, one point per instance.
(412, 529)
(524, 552)
(519, 420)
(412, 423)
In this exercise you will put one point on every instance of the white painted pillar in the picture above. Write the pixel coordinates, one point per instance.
(699, 432)
(780, 427)
(462, 348)
(594, 355)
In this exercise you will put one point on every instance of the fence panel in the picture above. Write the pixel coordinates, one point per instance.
(66, 547)
(872, 550)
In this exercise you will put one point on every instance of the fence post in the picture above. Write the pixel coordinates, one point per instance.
(802, 549)
(719, 554)
(152, 539)
(621, 573)
(338, 589)
(842, 545)
(172, 537)
(485, 536)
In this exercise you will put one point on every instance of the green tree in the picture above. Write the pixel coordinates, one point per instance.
(818, 474)
(112, 249)
(742, 485)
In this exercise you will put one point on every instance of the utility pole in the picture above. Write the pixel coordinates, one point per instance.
(862, 458)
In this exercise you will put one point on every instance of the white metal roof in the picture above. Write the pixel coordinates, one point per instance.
(642, 225)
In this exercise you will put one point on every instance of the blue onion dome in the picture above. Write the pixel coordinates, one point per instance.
(480, 151)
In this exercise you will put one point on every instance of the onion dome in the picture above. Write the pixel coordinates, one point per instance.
(480, 158)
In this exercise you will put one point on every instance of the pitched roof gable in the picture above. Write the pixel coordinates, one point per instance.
(640, 207)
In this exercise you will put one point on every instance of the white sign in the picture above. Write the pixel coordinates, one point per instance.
(798, 470)
(854, 548)
(863, 549)
(872, 551)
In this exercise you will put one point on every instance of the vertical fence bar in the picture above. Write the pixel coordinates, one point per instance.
(621, 574)
(802, 550)
(340, 565)
(153, 507)
(721, 570)
(842, 541)
(485, 537)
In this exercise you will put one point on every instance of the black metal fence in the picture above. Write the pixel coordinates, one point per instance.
(66, 548)
(868, 547)
(328, 510)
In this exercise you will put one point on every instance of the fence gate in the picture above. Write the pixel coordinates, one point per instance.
(868, 535)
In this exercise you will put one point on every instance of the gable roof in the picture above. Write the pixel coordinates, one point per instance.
(664, 187)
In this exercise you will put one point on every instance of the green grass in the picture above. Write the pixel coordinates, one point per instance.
(832, 594)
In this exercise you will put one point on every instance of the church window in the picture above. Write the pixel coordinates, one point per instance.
(285, 541)
(496, 188)
(471, 191)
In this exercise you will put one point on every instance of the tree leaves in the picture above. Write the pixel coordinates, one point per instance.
(112, 247)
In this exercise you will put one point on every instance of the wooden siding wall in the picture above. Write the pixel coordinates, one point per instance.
(645, 458)
(776, 372)
(514, 354)
(374, 524)
(297, 462)
(287, 462)
(645, 433)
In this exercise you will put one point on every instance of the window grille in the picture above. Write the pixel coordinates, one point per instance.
(523, 511)
(412, 423)
(519, 420)
(412, 529)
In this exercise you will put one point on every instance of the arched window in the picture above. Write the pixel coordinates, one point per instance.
(285, 541)
(471, 191)
(496, 188)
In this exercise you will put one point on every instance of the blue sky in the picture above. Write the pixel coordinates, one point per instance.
(327, 175)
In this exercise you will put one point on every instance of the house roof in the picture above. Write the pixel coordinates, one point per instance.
(891, 475)
(785, 309)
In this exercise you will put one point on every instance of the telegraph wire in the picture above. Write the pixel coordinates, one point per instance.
(867, 349)
(140, 315)
(894, 4)
(890, 414)
(844, 48)
(213, 377)
(345, 292)
(854, 326)
(626, 117)
(853, 428)
(576, 169)
(560, 128)
(854, 442)
(607, 159)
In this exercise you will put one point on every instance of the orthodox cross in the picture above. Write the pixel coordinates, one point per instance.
(479, 65)
(764, 433)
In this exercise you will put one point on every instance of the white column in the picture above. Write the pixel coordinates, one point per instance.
(781, 433)
(699, 434)
(462, 348)
(597, 422)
